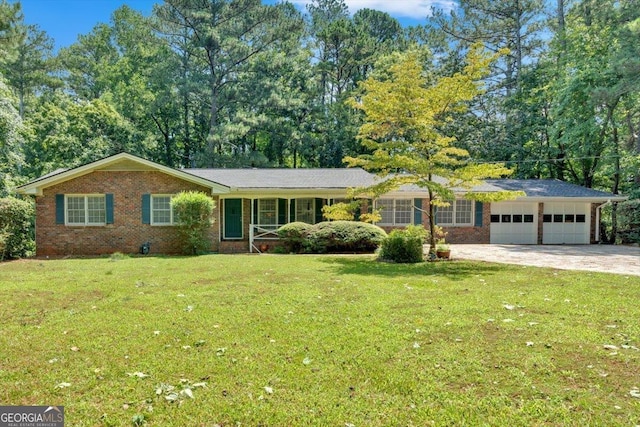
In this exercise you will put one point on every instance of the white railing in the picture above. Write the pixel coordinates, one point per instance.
(262, 232)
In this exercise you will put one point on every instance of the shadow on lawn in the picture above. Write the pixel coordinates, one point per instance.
(455, 270)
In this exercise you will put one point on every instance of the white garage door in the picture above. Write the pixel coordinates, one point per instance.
(566, 223)
(514, 223)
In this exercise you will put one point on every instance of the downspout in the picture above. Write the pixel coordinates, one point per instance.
(598, 210)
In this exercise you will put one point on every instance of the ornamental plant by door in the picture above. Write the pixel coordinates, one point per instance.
(192, 212)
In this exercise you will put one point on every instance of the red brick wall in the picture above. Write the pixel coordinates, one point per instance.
(127, 233)
(460, 234)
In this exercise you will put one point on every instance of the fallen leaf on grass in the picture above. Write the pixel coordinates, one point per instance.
(635, 392)
(610, 347)
(63, 385)
(74, 348)
(137, 374)
(268, 389)
(306, 361)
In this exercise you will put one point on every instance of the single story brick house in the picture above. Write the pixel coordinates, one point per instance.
(120, 202)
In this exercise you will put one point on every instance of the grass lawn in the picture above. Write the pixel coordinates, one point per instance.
(325, 341)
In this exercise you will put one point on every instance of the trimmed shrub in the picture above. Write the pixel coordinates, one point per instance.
(404, 246)
(293, 235)
(629, 221)
(193, 211)
(17, 231)
(344, 236)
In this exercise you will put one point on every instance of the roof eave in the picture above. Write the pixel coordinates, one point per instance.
(36, 187)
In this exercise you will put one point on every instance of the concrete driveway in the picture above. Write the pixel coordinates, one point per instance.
(602, 258)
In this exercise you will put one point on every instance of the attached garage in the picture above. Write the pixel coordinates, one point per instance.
(566, 223)
(514, 223)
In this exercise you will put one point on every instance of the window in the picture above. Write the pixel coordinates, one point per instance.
(267, 211)
(464, 211)
(395, 211)
(161, 211)
(305, 210)
(459, 212)
(86, 210)
(403, 211)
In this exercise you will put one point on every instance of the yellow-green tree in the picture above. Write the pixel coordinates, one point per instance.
(405, 113)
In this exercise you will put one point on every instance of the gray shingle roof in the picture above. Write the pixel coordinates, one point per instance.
(286, 178)
(546, 188)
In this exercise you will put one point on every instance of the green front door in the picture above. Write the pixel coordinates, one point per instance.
(233, 218)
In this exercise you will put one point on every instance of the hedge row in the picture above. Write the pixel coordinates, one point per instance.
(331, 237)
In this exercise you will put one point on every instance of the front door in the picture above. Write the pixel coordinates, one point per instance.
(233, 218)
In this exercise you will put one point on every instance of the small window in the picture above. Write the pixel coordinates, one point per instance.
(459, 212)
(464, 212)
(267, 211)
(558, 218)
(528, 219)
(569, 218)
(506, 218)
(395, 211)
(546, 218)
(86, 210)
(495, 218)
(581, 218)
(403, 211)
(517, 218)
(161, 210)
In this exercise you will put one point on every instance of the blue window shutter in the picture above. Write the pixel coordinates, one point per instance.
(479, 209)
(108, 198)
(146, 208)
(282, 211)
(417, 211)
(59, 208)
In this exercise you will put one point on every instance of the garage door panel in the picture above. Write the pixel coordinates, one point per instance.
(566, 223)
(514, 223)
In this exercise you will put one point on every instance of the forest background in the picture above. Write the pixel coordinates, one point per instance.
(238, 83)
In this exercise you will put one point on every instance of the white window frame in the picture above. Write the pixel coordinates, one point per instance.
(453, 206)
(152, 210)
(85, 207)
(262, 211)
(394, 211)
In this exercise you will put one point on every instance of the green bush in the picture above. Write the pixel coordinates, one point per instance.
(629, 221)
(17, 231)
(404, 246)
(344, 236)
(193, 212)
(293, 235)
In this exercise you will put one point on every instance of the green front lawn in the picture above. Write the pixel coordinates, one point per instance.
(327, 341)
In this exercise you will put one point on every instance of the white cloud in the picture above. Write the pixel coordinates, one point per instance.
(415, 9)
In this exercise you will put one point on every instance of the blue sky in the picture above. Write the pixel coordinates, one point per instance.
(64, 20)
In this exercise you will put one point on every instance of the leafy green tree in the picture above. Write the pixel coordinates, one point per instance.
(226, 35)
(88, 63)
(10, 37)
(31, 69)
(11, 141)
(404, 111)
(67, 133)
